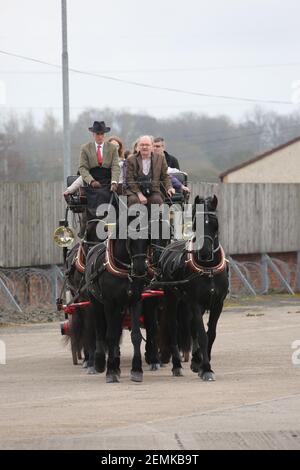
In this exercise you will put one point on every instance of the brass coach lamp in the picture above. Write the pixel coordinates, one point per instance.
(64, 236)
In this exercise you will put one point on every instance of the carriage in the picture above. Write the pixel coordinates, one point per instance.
(70, 300)
(189, 274)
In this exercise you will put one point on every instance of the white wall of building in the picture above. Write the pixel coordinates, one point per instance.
(282, 166)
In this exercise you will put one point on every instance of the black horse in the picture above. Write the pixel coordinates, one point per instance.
(81, 322)
(117, 275)
(198, 277)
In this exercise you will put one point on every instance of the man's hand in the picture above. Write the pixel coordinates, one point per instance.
(142, 198)
(113, 187)
(171, 192)
(95, 184)
(185, 189)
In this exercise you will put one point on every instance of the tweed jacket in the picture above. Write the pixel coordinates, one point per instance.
(88, 160)
(134, 168)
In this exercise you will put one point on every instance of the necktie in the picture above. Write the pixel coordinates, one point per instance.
(99, 156)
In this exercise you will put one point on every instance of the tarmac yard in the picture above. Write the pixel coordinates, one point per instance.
(47, 403)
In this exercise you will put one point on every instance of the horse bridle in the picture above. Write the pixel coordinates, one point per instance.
(209, 213)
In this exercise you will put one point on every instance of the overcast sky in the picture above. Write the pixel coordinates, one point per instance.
(247, 49)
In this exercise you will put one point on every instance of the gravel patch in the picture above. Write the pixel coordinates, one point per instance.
(30, 315)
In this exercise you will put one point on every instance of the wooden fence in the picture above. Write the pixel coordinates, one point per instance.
(257, 218)
(253, 218)
(29, 214)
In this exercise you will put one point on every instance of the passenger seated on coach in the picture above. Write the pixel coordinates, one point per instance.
(145, 173)
(175, 181)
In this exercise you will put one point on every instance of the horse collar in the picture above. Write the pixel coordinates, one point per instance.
(192, 263)
(110, 263)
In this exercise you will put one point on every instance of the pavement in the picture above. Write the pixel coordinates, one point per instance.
(48, 403)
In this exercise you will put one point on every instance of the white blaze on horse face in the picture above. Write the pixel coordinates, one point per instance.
(138, 228)
(2, 353)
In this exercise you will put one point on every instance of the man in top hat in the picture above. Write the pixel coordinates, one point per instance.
(100, 170)
(99, 160)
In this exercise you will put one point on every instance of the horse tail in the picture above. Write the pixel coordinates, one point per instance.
(184, 338)
(82, 331)
(163, 335)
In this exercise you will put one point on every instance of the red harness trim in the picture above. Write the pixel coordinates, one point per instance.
(191, 262)
(70, 309)
(152, 293)
(80, 260)
(110, 264)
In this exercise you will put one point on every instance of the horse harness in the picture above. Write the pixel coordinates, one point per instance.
(111, 264)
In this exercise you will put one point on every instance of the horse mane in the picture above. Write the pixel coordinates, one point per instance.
(172, 260)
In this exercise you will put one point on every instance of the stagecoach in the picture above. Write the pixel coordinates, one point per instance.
(64, 236)
(191, 274)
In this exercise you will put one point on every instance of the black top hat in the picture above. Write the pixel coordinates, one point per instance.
(99, 127)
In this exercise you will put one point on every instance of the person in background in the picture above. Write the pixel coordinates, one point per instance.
(175, 181)
(119, 144)
(78, 183)
(159, 149)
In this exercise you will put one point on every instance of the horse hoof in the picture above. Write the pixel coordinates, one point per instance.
(100, 366)
(100, 362)
(186, 356)
(136, 376)
(207, 376)
(154, 366)
(177, 372)
(195, 367)
(91, 370)
(85, 364)
(112, 378)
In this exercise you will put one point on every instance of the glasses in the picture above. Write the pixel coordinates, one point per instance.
(145, 145)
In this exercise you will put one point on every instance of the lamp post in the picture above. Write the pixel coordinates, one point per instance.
(65, 83)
